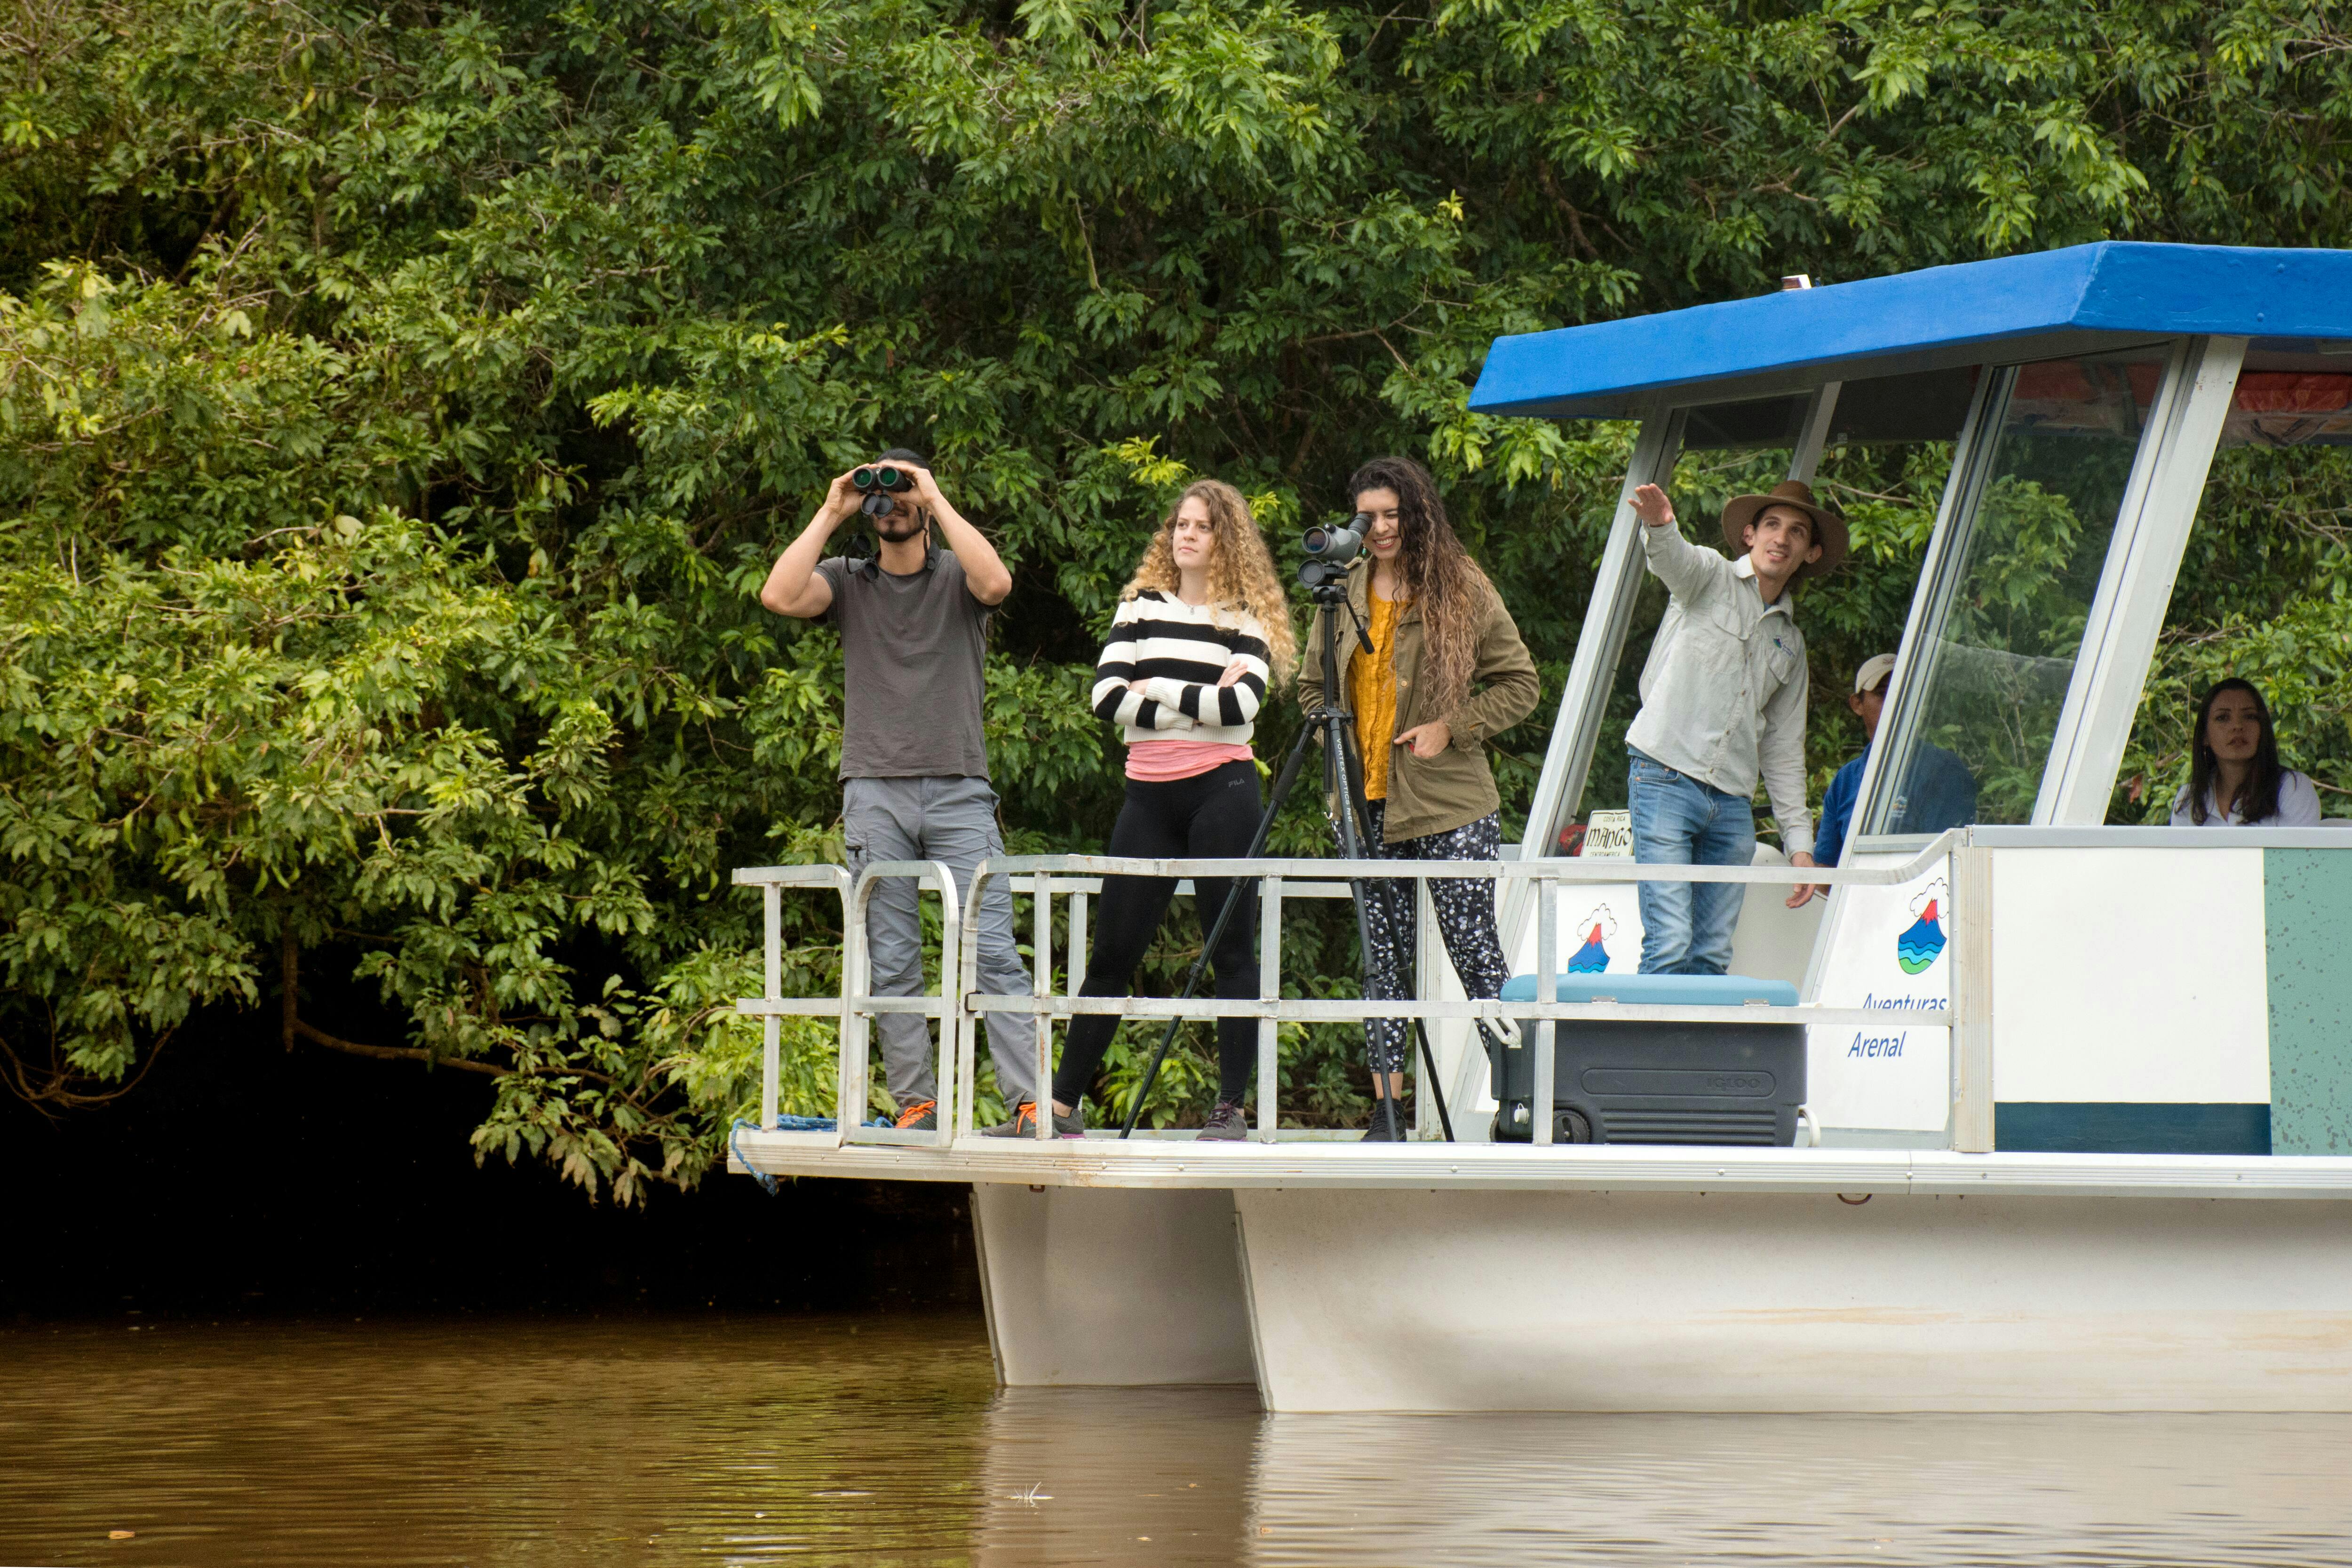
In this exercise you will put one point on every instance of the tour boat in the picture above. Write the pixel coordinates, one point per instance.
(2076, 1119)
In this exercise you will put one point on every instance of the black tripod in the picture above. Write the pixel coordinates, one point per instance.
(1343, 776)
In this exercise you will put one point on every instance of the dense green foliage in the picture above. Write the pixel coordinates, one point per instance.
(399, 406)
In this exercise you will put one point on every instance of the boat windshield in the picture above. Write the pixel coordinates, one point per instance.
(2006, 625)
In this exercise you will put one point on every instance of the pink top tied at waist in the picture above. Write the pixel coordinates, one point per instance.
(1157, 762)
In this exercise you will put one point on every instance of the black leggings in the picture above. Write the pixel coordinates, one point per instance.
(1210, 816)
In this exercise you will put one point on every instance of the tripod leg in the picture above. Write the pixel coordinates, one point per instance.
(1281, 783)
(1429, 1062)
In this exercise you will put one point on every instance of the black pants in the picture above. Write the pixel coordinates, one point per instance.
(1210, 816)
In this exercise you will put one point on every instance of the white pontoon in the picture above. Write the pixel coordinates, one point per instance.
(2077, 1118)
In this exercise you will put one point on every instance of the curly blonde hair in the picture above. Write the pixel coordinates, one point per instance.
(1241, 573)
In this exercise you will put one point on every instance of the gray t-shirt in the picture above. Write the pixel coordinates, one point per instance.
(912, 679)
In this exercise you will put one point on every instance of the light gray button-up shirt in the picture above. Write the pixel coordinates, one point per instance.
(1723, 696)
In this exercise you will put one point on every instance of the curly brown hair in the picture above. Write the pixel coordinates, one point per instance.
(1241, 573)
(1437, 572)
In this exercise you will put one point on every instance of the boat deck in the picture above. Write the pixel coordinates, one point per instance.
(1177, 1161)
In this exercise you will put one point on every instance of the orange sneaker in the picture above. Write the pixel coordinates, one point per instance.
(923, 1116)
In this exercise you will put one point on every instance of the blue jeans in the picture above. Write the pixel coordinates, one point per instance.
(1677, 821)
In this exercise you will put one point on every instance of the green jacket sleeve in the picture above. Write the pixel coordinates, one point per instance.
(1504, 687)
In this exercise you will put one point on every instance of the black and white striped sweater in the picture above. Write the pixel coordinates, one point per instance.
(1180, 653)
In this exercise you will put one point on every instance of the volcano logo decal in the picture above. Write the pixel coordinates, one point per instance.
(1598, 928)
(1922, 942)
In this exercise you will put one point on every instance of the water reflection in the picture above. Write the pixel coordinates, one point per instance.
(649, 1442)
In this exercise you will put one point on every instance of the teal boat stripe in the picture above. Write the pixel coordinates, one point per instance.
(2307, 928)
(2122, 1127)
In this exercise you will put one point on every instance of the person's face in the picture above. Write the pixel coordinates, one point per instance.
(1193, 541)
(1867, 707)
(903, 521)
(1385, 535)
(1780, 541)
(2233, 727)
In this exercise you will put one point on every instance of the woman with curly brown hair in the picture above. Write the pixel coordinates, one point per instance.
(1447, 670)
(1199, 634)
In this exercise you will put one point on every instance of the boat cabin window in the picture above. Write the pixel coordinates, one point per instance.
(2253, 595)
(2030, 528)
(1887, 438)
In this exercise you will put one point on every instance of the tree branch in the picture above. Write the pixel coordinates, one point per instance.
(396, 1053)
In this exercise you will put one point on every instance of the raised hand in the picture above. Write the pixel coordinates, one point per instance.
(927, 488)
(1650, 505)
(841, 498)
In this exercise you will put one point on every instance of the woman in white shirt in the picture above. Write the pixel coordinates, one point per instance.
(2235, 777)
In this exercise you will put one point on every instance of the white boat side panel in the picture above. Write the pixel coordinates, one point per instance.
(1107, 1286)
(2132, 976)
(1773, 941)
(1886, 952)
(1599, 932)
(1518, 1301)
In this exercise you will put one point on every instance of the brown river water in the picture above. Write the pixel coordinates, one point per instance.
(511, 1444)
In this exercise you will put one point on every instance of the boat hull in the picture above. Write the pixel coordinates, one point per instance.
(1577, 1300)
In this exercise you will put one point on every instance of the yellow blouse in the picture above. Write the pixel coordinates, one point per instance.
(1373, 687)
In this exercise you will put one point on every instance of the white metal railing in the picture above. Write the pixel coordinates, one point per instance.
(1079, 877)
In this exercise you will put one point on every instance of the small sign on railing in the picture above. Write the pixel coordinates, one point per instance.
(1608, 836)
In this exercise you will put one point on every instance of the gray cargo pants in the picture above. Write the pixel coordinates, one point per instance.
(951, 820)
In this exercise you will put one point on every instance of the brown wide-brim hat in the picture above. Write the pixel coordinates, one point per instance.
(1828, 528)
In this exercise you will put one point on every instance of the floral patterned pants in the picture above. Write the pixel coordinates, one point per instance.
(1466, 919)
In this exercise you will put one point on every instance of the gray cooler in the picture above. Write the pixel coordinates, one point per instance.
(1658, 1083)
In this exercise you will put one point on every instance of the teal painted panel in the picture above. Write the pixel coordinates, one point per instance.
(2071, 1127)
(2307, 921)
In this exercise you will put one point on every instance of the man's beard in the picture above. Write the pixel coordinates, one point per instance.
(897, 527)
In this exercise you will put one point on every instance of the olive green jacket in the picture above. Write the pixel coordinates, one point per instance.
(1455, 787)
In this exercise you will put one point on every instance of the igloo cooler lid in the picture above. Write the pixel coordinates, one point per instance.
(1661, 990)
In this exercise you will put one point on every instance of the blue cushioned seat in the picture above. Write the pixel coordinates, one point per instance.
(1661, 990)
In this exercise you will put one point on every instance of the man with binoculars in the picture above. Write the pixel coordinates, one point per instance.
(914, 765)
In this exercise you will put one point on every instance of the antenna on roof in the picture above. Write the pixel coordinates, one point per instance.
(1796, 281)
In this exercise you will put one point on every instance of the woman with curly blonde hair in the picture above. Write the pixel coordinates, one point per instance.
(1200, 633)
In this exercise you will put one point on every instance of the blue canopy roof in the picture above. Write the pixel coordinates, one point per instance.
(2012, 308)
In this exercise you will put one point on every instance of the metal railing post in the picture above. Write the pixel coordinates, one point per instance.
(1547, 992)
(851, 1069)
(1970, 920)
(1078, 962)
(967, 1017)
(949, 1014)
(772, 920)
(1040, 984)
(1269, 989)
(1428, 954)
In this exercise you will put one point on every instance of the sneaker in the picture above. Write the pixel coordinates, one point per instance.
(923, 1116)
(1025, 1124)
(1226, 1124)
(1387, 1124)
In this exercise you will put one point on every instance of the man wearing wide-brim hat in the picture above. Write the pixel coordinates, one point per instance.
(1723, 705)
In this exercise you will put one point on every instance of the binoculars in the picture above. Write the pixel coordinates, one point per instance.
(880, 481)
